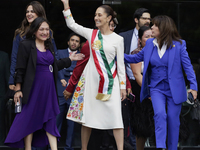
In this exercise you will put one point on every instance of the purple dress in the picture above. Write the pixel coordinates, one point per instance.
(38, 116)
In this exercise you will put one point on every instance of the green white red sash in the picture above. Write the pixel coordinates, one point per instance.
(106, 71)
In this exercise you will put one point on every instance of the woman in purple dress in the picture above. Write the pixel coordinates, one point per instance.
(35, 78)
(33, 10)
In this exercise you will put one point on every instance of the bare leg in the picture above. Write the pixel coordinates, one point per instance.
(52, 141)
(140, 142)
(85, 136)
(28, 141)
(119, 138)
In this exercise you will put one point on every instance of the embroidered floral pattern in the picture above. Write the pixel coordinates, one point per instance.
(80, 99)
(76, 94)
(68, 16)
(76, 106)
(68, 115)
(78, 88)
(122, 83)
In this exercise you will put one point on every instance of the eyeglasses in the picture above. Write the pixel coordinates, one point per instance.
(144, 18)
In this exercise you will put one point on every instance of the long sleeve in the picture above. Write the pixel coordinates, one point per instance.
(85, 32)
(60, 74)
(187, 66)
(79, 68)
(63, 63)
(134, 58)
(120, 64)
(14, 58)
(21, 65)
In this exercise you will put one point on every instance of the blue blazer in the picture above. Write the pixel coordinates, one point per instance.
(178, 59)
(64, 74)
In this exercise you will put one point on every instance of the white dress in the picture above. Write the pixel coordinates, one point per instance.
(92, 112)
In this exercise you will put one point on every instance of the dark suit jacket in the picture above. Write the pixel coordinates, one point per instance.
(64, 74)
(26, 66)
(178, 59)
(127, 40)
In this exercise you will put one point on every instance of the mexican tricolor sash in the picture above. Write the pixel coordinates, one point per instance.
(107, 72)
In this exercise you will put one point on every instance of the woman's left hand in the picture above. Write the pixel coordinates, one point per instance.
(194, 93)
(123, 94)
(75, 57)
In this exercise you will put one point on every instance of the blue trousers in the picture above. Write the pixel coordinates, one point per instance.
(70, 125)
(166, 117)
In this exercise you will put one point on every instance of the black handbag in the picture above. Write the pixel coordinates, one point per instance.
(10, 94)
(195, 111)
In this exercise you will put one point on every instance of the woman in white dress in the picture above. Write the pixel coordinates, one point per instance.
(96, 102)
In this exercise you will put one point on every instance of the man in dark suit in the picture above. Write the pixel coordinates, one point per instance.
(63, 77)
(4, 76)
(141, 17)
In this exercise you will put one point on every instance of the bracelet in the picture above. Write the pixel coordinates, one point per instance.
(17, 91)
(67, 8)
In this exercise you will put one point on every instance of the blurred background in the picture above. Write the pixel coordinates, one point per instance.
(184, 12)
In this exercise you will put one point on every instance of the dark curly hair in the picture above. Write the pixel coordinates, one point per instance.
(35, 25)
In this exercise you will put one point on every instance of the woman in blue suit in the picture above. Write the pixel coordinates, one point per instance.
(165, 57)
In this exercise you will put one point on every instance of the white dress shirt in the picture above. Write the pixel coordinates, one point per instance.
(161, 51)
(133, 46)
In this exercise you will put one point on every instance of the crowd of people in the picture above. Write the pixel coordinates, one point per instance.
(92, 84)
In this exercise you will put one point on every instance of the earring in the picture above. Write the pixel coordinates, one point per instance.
(33, 36)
